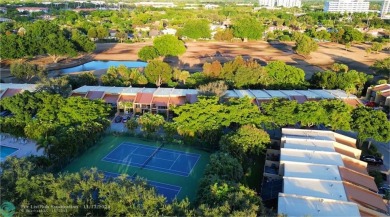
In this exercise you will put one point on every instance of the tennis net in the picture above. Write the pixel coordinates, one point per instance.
(151, 156)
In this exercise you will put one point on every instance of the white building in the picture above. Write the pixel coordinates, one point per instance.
(155, 4)
(323, 176)
(280, 3)
(349, 6)
(385, 11)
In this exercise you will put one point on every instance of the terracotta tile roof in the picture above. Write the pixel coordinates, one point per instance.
(143, 98)
(177, 100)
(353, 102)
(300, 99)
(346, 140)
(386, 93)
(10, 92)
(364, 213)
(160, 101)
(126, 98)
(344, 152)
(354, 164)
(364, 197)
(78, 94)
(95, 95)
(110, 98)
(381, 87)
(358, 178)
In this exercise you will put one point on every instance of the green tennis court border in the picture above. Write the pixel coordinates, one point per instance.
(93, 156)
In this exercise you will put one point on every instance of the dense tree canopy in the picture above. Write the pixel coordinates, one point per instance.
(195, 29)
(285, 76)
(369, 123)
(23, 183)
(148, 53)
(248, 28)
(247, 140)
(351, 81)
(42, 37)
(26, 71)
(169, 45)
(158, 72)
(63, 127)
(304, 45)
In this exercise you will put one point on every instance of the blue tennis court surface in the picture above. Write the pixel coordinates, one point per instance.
(169, 191)
(164, 160)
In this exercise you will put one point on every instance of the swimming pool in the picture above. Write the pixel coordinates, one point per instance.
(6, 151)
(99, 64)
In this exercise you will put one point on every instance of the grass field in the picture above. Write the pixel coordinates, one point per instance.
(93, 158)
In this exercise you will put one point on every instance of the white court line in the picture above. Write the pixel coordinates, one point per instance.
(178, 188)
(163, 149)
(194, 165)
(174, 162)
(147, 167)
(116, 149)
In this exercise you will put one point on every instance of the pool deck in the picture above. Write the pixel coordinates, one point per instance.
(25, 147)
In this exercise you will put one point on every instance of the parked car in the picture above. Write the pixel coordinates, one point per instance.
(370, 104)
(5, 113)
(372, 159)
(125, 119)
(118, 119)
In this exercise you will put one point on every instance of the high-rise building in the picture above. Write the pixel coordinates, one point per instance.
(280, 3)
(385, 11)
(349, 6)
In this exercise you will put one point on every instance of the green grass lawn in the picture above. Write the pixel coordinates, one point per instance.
(92, 158)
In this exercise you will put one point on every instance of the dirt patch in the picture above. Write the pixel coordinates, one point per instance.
(200, 52)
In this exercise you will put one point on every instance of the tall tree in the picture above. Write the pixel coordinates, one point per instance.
(169, 45)
(305, 45)
(26, 71)
(248, 28)
(247, 140)
(369, 123)
(158, 72)
(148, 53)
(150, 123)
(58, 46)
(195, 29)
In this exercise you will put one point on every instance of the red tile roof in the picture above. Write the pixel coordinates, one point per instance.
(354, 164)
(381, 87)
(358, 178)
(10, 92)
(110, 98)
(95, 95)
(78, 94)
(126, 98)
(160, 101)
(177, 100)
(386, 93)
(364, 197)
(353, 102)
(143, 98)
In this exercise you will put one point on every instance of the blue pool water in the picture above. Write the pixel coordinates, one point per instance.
(5, 151)
(96, 65)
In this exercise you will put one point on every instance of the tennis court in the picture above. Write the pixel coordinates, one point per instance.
(153, 158)
(173, 170)
(169, 191)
